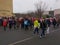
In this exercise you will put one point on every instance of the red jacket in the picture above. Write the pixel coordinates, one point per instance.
(4, 23)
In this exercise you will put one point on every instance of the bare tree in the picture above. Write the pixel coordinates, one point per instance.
(40, 8)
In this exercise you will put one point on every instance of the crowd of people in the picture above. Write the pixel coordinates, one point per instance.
(28, 23)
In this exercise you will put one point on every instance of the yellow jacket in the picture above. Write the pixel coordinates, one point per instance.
(36, 24)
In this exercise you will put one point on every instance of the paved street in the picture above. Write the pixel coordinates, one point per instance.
(21, 37)
(52, 39)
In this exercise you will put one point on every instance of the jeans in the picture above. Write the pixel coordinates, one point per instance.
(43, 31)
(36, 30)
(4, 28)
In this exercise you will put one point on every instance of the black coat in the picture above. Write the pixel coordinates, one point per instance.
(43, 24)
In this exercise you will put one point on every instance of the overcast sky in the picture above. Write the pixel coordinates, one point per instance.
(23, 6)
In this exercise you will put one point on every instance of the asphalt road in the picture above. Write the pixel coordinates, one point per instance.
(22, 37)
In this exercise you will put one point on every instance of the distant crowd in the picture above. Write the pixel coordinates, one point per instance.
(28, 23)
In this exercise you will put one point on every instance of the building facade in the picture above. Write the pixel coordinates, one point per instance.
(6, 8)
(46, 13)
(56, 12)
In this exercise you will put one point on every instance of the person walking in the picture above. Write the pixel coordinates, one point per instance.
(48, 25)
(36, 26)
(54, 23)
(26, 24)
(1, 21)
(4, 24)
(10, 23)
(43, 27)
(14, 23)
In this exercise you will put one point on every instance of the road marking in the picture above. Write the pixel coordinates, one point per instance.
(21, 41)
(29, 38)
(54, 31)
